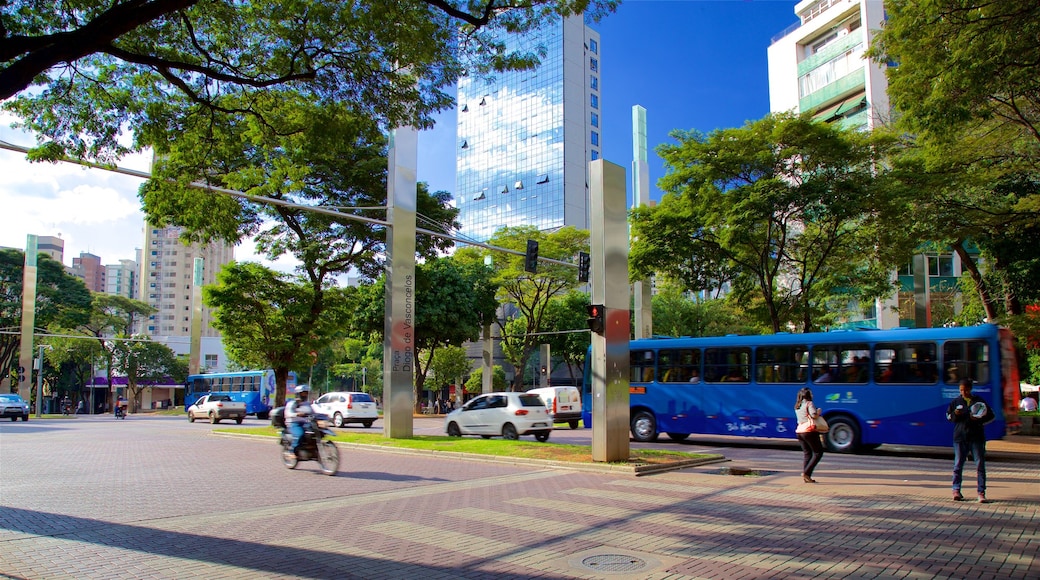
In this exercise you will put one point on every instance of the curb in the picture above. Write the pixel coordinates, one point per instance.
(637, 469)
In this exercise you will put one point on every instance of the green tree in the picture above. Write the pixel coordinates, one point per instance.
(112, 317)
(475, 382)
(76, 358)
(144, 361)
(791, 205)
(965, 76)
(61, 300)
(453, 300)
(677, 315)
(267, 319)
(567, 317)
(526, 292)
(82, 71)
(450, 364)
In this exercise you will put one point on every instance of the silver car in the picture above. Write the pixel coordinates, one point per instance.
(13, 406)
(507, 414)
(344, 407)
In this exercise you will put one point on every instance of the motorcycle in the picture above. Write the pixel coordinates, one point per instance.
(120, 412)
(314, 445)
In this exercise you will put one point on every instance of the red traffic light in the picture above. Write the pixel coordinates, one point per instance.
(596, 318)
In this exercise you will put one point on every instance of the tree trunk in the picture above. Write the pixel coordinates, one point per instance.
(980, 284)
(281, 379)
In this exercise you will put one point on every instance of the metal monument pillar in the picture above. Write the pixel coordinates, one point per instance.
(644, 321)
(487, 366)
(922, 316)
(399, 327)
(25, 351)
(195, 345)
(609, 237)
(544, 365)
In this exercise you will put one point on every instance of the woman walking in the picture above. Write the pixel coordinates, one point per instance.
(812, 447)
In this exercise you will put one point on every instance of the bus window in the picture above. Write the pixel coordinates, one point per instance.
(678, 366)
(781, 364)
(965, 359)
(642, 364)
(841, 363)
(254, 383)
(911, 362)
(727, 365)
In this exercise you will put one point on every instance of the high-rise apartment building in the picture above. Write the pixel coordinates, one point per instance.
(818, 65)
(121, 279)
(167, 272)
(52, 246)
(88, 268)
(525, 138)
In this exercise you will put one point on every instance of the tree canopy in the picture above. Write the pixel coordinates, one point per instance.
(786, 208)
(965, 75)
(81, 72)
(61, 300)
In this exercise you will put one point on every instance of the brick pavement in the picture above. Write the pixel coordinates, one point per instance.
(387, 515)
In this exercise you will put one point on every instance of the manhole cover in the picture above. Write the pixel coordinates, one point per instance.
(742, 472)
(614, 563)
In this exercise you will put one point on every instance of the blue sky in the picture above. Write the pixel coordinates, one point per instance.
(693, 64)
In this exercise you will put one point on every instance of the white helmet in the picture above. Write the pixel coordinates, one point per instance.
(302, 389)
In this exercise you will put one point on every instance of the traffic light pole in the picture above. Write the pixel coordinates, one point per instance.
(609, 243)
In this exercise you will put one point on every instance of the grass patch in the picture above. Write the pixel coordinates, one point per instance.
(495, 447)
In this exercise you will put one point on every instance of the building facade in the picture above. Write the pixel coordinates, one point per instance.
(525, 138)
(88, 268)
(121, 279)
(52, 246)
(167, 273)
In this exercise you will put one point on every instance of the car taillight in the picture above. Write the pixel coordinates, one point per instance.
(350, 405)
(220, 405)
(520, 412)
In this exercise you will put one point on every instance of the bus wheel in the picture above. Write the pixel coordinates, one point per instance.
(678, 436)
(843, 436)
(644, 427)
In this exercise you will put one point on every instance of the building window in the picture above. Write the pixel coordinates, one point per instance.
(594, 101)
(465, 108)
(465, 145)
(211, 361)
(483, 101)
(940, 265)
(518, 185)
(543, 178)
(503, 189)
(594, 65)
(595, 155)
(593, 46)
(480, 196)
(594, 138)
(594, 120)
(594, 82)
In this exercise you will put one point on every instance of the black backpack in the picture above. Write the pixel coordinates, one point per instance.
(278, 417)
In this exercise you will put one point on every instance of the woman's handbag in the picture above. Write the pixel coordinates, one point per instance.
(820, 425)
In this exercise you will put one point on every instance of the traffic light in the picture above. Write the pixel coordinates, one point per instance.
(531, 259)
(584, 262)
(596, 318)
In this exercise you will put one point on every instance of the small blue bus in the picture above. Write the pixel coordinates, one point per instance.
(873, 386)
(254, 388)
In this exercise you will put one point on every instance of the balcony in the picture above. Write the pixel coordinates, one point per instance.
(855, 80)
(831, 51)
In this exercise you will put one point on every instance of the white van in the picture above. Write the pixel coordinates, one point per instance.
(563, 403)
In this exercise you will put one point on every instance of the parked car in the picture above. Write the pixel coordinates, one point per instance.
(507, 414)
(563, 403)
(347, 407)
(13, 406)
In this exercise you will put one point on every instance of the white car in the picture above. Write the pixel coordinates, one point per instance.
(507, 414)
(347, 407)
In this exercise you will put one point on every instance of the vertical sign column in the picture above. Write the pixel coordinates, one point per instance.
(640, 196)
(399, 324)
(25, 352)
(195, 347)
(609, 237)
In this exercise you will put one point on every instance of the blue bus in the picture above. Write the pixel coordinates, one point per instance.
(254, 388)
(873, 386)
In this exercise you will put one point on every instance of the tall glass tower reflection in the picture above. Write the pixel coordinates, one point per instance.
(525, 138)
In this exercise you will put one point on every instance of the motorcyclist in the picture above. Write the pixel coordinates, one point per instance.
(298, 414)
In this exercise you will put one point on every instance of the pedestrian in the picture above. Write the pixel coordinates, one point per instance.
(805, 413)
(969, 413)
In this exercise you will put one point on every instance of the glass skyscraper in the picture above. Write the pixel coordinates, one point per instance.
(525, 138)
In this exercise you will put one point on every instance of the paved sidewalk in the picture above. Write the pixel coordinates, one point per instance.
(155, 514)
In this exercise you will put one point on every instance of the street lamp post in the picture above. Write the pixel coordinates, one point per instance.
(39, 379)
